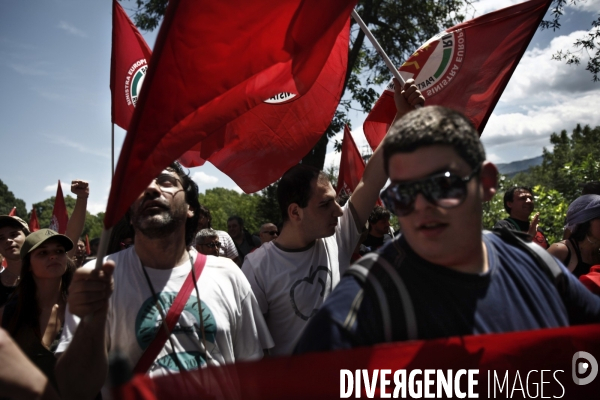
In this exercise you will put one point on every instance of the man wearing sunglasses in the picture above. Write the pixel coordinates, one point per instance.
(268, 232)
(292, 275)
(443, 276)
(207, 242)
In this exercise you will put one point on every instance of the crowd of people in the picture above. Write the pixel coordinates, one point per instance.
(175, 294)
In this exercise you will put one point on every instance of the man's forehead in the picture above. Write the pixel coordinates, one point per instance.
(9, 229)
(522, 192)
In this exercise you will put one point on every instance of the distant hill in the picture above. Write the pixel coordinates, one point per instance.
(513, 168)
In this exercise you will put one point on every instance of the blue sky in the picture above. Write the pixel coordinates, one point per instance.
(55, 97)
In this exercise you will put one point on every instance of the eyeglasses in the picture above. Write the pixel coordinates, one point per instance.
(211, 245)
(272, 233)
(445, 190)
(167, 182)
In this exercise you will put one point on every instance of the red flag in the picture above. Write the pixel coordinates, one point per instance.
(88, 249)
(352, 165)
(34, 224)
(211, 66)
(13, 212)
(260, 145)
(128, 65)
(544, 361)
(60, 218)
(466, 67)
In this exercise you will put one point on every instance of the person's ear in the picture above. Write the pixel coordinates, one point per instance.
(295, 212)
(489, 180)
(190, 213)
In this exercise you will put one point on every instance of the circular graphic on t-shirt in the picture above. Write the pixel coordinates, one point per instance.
(149, 320)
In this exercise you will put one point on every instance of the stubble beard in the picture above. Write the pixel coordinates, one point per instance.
(159, 225)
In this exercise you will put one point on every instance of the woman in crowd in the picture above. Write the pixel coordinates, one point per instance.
(35, 317)
(582, 249)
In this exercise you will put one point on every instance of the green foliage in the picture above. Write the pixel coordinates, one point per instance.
(8, 201)
(399, 26)
(589, 42)
(223, 203)
(268, 207)
(93, 223)
(556, 182)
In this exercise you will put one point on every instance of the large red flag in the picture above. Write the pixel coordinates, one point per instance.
(545, 363)
(260, 145)
(128, 65)
(60, 218)
(34, 224)
(352, 165)
(466, 67)
(13, 212)
(214, 61)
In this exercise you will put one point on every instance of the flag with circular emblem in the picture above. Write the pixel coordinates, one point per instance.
(214, 61)
(129, 63)
(465, 67)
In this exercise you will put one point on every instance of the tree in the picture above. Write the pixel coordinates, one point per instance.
(224, 203)
(267, 209)
(8, 201)
(574, 160)
(400, 27)
(93, 223)
(590, 42)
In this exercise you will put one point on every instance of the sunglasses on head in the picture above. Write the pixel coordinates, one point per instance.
(272, 233)
(446, 190)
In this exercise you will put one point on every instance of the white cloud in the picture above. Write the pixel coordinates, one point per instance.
(586, 5)
(71, 29)
(200, 177)
(62, 141)
(66, 188)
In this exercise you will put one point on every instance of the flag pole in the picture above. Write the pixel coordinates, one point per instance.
(103, 246)
(378, 47)
(112, 151)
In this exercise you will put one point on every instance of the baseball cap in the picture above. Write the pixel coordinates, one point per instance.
(8, 220)
(35, 240)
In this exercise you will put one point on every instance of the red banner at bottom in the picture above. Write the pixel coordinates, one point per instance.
(548, 363)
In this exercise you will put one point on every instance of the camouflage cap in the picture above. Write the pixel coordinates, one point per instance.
(8, 220)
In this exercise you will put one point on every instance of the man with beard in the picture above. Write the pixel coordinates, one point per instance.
(220, 322)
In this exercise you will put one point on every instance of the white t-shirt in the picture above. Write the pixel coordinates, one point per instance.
(233, 324)
(290, 286)
(227, 246)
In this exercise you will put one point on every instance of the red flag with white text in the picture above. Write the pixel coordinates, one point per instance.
(60, 218)
(352, 165)
(13, 212)
(34, 224)
(466, 67)
(128, 65)
(212, 63)
(260, 145)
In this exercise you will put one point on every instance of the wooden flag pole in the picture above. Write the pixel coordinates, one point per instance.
(103, 246)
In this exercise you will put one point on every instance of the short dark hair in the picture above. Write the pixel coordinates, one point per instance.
(239, 220)
(591, 188)
(434, 125)
(378, 214)
(509, 195)
(206, 212)
(190, 189)
(295, 186)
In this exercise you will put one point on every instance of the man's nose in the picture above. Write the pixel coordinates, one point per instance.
(421, 202)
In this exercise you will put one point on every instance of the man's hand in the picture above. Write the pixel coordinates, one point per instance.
(80, 188)
(90, 290)
(408, 98)
(533, 226)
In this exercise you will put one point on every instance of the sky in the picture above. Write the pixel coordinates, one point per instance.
(55, 97)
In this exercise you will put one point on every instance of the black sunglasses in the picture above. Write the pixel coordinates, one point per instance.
(445, 190)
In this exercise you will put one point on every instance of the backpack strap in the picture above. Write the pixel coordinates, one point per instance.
(376, 272)
(541, 257)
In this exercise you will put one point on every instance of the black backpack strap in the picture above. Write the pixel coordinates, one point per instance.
(376, 273)
(541, 257)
